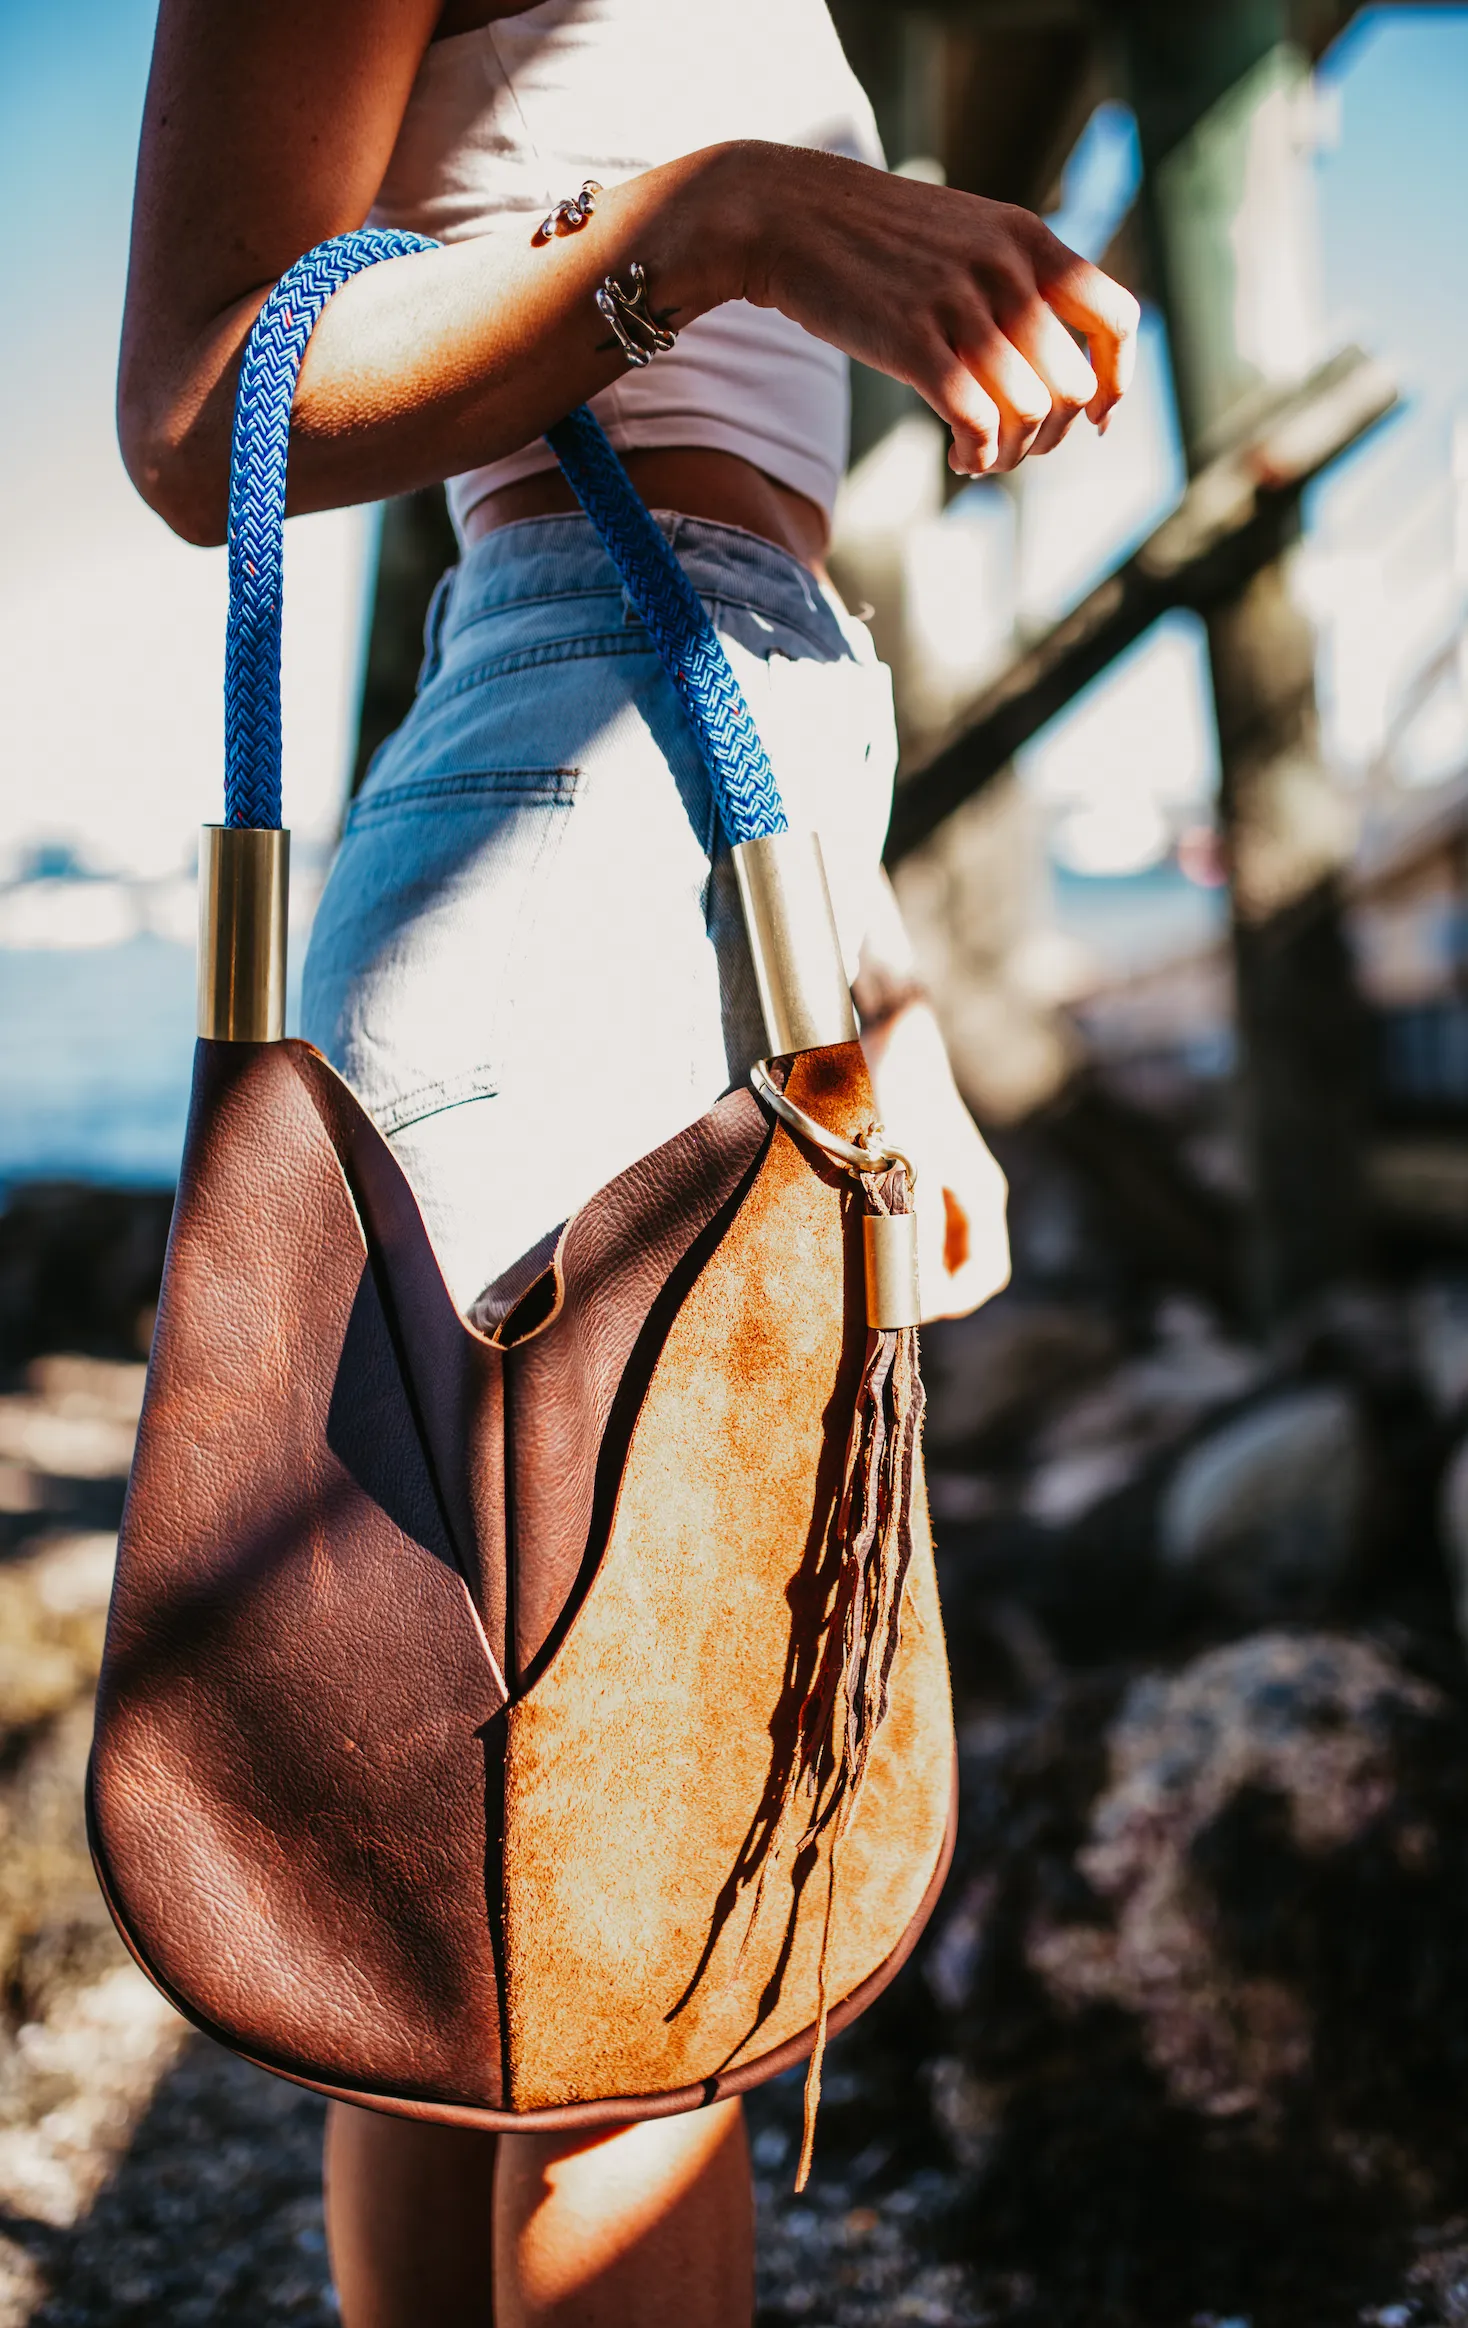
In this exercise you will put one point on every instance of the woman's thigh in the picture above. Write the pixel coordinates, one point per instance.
(642, 2226)
(623, 2227)
(409, 2221)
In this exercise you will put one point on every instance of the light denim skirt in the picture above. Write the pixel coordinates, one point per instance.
(528, 960)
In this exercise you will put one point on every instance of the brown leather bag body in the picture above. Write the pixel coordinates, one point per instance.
(451, 1677)
(540, 1718)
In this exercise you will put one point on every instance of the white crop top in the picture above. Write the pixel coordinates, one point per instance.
(511, 118)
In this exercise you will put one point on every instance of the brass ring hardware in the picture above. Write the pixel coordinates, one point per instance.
(874, 1152)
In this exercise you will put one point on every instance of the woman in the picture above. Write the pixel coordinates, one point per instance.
(526, 960)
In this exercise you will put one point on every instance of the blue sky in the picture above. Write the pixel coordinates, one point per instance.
(71, 92)
(1394, 190)
(111, 631)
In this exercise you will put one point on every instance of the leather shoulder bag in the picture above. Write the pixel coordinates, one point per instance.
(542, 1718)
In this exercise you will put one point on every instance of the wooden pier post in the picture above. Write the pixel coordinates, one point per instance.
(1222, 97)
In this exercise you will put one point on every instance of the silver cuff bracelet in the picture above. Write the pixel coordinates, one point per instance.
(639, 334)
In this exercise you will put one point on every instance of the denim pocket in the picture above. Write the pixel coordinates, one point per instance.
(432, 909)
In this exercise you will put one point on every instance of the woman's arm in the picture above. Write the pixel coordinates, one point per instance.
(268, 127)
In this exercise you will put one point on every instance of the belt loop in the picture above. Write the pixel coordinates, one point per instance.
(433, 623)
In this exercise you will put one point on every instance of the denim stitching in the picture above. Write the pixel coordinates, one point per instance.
(631, 641)
(721, 603)
(472, 616)
(436, 1098)
(550, 787)
(433, 627)
(486, 609)
(530, 658)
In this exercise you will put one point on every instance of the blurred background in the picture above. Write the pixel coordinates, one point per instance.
(1182, 835)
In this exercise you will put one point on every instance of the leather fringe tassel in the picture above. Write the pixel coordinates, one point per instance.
(860, 1626)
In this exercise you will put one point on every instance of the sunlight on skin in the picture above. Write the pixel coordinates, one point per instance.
(650, 2226)
(580, 2226)
(409, 2220)
(961, 1194)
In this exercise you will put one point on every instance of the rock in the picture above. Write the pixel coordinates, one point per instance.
(962, 1498)
(1196, 2032)
(1437, 1329)
(54, 1929)
(211, 2216)
(75, 2085)
(988, 1375)
(108, 1390)
(1063, 1487)
(1361, 1334)
(41, 1436)
(66, 1442)
(53, 1607)
(1241, 1791)
(1103, 1438)
(1266, 1513)
(969, 2110)
(80, 1268)
(1453, 1527)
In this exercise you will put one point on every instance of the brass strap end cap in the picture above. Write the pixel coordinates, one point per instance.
(244, 886)
(802, 982)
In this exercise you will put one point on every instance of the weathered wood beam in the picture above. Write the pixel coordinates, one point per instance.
(1236, 515)
(1314, 23)
(414, 547)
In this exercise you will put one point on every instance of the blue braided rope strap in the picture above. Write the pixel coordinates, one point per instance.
(262, 421)
(723, 726)
(661, 593)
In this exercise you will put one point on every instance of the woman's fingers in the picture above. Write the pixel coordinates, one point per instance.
(1022, 397)
(1050, 351)
(998, 405)
(1010, 378)
(957, 398)
(1107, 314)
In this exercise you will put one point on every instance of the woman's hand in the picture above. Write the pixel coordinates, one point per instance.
(960, 1194)
(973, 303)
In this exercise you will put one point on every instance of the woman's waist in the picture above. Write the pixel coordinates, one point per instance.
(696, 482)
(538, 587)
(747, 416)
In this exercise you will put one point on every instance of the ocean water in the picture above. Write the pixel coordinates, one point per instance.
(97, 1040)
(96, 1053)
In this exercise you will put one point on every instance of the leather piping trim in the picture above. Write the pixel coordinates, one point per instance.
(620, 2110)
